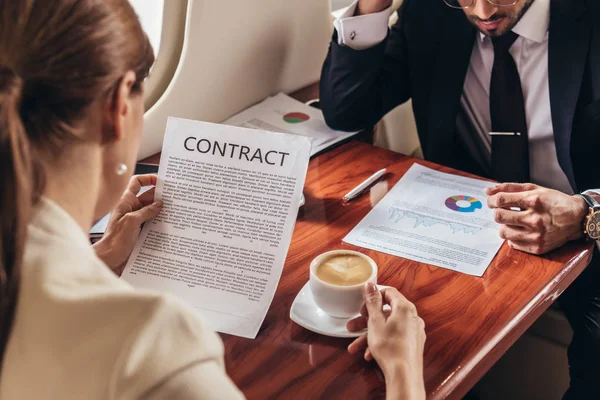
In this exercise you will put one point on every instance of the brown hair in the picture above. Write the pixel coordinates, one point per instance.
(56, 59)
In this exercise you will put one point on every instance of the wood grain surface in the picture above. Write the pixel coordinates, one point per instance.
(470, 321)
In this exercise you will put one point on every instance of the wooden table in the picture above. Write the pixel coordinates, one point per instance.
(470, 321)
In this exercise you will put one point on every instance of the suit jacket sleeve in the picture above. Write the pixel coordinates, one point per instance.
(358, 87)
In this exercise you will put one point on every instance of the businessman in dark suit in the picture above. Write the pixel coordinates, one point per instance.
(508, 89)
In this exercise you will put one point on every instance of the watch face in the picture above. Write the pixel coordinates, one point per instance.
(593, 226)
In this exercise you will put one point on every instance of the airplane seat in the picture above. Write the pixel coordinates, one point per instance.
(535, 367)
(224, 56)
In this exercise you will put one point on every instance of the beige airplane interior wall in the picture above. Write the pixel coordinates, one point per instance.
(232, 54)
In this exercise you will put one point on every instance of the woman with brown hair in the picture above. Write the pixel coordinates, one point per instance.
(71, 117)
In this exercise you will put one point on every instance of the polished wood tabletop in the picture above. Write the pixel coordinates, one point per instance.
(470, 321)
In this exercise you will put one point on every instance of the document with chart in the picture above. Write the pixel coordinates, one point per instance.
(230, 205)
(434, 218)
(283, 114)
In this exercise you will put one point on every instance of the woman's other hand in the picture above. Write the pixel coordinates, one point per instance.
(126, 222)
(395, 339)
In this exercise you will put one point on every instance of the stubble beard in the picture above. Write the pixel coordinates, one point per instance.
(513, 19)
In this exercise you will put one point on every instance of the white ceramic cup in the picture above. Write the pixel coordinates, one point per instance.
(339, 301)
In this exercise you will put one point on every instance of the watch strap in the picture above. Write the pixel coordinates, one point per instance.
(591, 201)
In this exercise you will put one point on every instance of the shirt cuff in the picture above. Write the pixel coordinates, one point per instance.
(363, 31)
(593, 191)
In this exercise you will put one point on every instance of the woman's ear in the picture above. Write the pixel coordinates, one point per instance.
(119, 108)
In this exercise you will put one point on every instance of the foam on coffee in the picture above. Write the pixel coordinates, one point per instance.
(344, 270)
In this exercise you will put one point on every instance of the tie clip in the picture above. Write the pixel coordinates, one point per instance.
(505, 133)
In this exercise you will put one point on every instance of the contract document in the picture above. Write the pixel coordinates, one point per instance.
(283, 114)
(230, 205)
(434, 218)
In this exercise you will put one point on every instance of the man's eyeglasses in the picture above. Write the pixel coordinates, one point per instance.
(470, 3)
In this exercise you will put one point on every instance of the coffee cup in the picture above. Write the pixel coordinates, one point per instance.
(337, 281)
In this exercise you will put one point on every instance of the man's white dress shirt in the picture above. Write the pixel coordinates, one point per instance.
(530, 52)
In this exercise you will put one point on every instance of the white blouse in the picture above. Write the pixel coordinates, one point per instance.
(81, 333)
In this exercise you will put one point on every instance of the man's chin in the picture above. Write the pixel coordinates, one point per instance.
(494, 29)
(494, 33)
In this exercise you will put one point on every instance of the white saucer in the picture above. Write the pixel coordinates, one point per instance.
(305, 313)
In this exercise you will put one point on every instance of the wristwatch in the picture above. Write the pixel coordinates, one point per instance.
(591, 224)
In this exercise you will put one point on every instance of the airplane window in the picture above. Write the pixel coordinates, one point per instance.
(339, 4)
(151, 17)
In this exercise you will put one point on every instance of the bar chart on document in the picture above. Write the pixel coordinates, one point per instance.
(435, 218)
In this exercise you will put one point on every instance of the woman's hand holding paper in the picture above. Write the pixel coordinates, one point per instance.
(126, 222)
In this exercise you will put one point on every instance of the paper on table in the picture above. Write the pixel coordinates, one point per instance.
(230, 204)
(435, 218)
(284, 114)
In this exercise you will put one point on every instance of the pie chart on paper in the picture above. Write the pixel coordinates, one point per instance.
(295, 118)
(463, 204)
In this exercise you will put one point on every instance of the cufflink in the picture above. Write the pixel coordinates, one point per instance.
(352, 35)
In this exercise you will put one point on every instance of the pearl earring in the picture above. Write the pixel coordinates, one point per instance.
(122, 169)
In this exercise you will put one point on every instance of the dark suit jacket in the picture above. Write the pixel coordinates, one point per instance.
(425, 58)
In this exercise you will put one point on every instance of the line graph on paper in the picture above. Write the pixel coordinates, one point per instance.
(397, 214)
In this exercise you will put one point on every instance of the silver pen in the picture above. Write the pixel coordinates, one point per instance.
(360, 188)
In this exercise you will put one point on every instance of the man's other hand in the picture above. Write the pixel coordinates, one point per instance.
(372, 6)
(547, 218)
